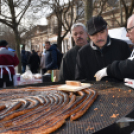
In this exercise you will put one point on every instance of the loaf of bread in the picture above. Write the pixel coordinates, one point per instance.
(73, 83)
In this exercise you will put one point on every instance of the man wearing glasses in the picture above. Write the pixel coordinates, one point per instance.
(125, 68)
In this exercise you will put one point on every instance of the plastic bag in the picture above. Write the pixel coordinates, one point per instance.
(27, 76)
(37, 76)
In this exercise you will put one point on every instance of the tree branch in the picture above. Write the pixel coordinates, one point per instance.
(66, 15)
(125, 7)
(8, 23)
(26, 7)
(131, 7)
(115, 18)
(103, 4)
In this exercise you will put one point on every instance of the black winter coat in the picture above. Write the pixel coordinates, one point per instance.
(68, 65)
(122, 69)
(23, 57)
(51, 58)
(34, 61)
(90, 59)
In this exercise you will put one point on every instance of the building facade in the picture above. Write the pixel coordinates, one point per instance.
(111, 13)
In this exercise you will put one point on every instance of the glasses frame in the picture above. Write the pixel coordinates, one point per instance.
(129, 29)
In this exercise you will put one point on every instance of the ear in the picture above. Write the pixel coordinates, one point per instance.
(88, 35)
(107, 29)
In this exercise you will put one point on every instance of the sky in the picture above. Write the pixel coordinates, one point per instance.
(47, 11)
(43, 21)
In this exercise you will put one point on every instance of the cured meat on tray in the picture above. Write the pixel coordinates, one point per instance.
(41, 110)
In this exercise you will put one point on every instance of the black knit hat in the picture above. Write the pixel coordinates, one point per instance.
(3, 43)
(95, 25)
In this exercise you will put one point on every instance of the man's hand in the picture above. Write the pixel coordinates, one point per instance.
(129, 82)
(101, 73)
(131, 58)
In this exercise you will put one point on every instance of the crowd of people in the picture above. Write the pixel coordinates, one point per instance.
(102, 58)
(32, 60)
(46, 61)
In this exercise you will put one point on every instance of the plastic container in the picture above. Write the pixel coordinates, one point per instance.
(18, 77)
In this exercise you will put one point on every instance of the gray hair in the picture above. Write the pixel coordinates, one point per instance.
(131, 18)
(77, 25)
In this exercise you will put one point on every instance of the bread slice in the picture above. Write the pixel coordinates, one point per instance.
(73, 83)
(73, 87)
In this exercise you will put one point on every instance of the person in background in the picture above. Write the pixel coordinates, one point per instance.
(68, 65)
(100, 52)
(50, 56)
(34, 62)
(40, 54)
(121, 68)
(42, 64)
(14, 76)
(28, 54)
(23, 60)
(8, 60)
(59, 55)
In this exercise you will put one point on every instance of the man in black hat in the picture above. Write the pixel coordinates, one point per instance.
(101, 51)
(121, 68)
(8, 60)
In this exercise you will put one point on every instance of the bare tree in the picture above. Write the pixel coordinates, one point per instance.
(128, 9)
(8, 34)
(93, 7)
(99, 6)
(118, 10)
(66, 15)
(12, 11)
(88, 4)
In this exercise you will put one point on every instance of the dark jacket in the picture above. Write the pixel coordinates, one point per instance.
(51, 58)
(122, 69)
(23, 57)
(28, 54)
(68, 65)
(90, 59)
(34, 61)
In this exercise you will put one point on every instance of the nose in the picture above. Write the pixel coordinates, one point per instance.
(99, 36)
(78, 35)
(127, 34)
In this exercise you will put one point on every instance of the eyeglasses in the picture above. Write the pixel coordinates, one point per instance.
(129, 29)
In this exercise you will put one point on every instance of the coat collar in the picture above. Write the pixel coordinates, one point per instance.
(2, 48)
(95, 47)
